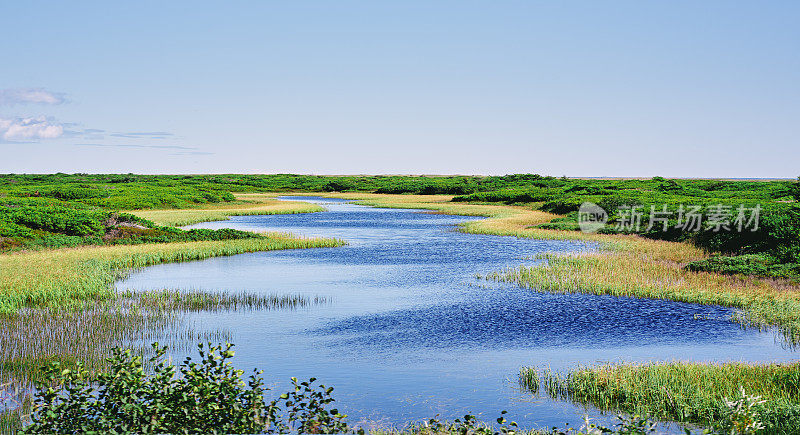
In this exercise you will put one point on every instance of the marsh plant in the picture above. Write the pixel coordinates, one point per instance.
(731, 398)
(35, 336)
(205, 396)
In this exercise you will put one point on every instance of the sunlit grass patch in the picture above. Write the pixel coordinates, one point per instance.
(632, 274)
(246, 204)
(66, 277)
(33, 337)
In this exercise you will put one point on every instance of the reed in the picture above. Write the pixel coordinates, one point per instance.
(34, 336)
(69, 277)
(176, 301)
(678, 391)
(245, 204)
(631, 274)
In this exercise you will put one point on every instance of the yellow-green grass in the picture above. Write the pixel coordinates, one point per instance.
(625, 265)
(679, 391)
(56, 278)
(633, 266)
(641, 275)
(245, 204)
(520, 221)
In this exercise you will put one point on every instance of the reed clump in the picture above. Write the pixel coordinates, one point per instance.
(657, 276)
(69, 277)
(33, 337)
(678, 391)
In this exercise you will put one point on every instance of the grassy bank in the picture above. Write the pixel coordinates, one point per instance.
(680, 391)
(625, 265)
(245, 204)
(67, 277)
(633, 266)
(659, 275)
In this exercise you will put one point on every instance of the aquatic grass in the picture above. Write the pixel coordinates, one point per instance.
(678, 391)
(172, 300)
(246, 204)
(630, 274)
(67, 277)
(33, 337)
(624, 265)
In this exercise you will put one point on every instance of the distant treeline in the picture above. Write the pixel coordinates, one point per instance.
(72, 209)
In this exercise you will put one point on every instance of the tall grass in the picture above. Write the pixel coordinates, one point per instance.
(246, 204)
(34, 336)
(171, 301)
(67, 277)
(630, 274)
(678, 391)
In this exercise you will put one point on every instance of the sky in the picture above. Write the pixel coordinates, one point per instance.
(576, 88)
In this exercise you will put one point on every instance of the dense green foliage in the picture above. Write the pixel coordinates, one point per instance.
(70, 210)
(772, 249)
(209, 396)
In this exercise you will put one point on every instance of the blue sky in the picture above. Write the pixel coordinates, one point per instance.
(618, 88)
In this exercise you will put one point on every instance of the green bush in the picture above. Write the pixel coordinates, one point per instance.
(209, 396)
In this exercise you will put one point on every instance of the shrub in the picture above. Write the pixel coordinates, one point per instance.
(208, 396)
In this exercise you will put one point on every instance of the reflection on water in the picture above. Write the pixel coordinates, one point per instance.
(409, 332)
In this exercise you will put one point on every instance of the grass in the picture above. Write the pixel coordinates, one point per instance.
(34, 336)
(678, 391)
(633, 266)
(245, 204)
(60, 305)
(172, 301)
(625, 265)
(657, 276)
(68, 277)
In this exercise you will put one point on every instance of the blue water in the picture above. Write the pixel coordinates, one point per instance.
(409, 332)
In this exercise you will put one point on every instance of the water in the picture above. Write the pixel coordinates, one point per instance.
(409, 331)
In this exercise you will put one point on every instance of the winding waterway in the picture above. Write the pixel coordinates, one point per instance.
(409, 332)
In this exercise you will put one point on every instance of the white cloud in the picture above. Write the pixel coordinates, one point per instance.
(10, 97)
(40, 127)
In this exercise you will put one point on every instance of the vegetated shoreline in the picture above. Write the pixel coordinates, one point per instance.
(62, 276)
(69, 276)
(626, 265)
(632, 266)
(72, 287)
(502, 220)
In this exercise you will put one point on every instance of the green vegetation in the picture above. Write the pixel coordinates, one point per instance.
(210, 396)
(686, 392)
(32, 337)
(71, 277)
(245, 204)
(128, 221)
(626, 273)
(70, 210)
